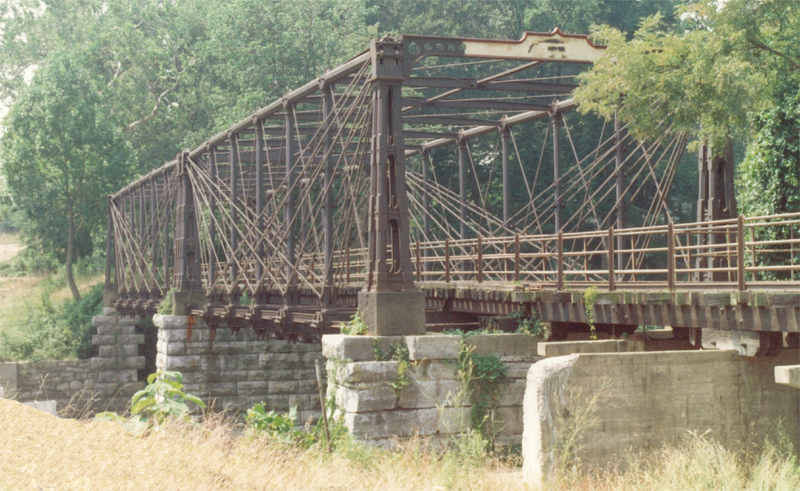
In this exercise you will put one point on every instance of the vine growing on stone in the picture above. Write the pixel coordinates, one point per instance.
(484, 378)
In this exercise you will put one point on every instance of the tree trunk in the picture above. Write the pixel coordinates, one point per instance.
(70, 252)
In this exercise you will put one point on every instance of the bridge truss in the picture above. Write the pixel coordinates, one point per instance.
(393, 172)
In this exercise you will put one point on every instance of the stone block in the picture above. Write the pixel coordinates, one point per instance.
(434, 370)
(282, 387)
(356, 348)
(393, 313)
(277, 402)
(504, 344)
(379, 397)
(118, 351)
(308, 386)
(170, 322)
(182, 364)
(111, 321)
(433, 347)
(509, 419)
(106, 339)
(563, 348)
(387, 424)
(788, 375)
(268, 361)
(430, 393)
(453, 420)
(123, 376)
(116, 329)
(517, 369)
(8, 376)
(251, 389)
(513, 392)
(365, 372)
(308, 374)
(118, 363)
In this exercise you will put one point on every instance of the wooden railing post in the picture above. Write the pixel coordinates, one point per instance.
(560, 265)
(740, 252)
(480, 260)
(671, 256)
(516, 257)
(611, 274)
(447, 260)
(419, 265)
(347, 264)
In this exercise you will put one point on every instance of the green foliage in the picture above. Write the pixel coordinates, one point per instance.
(484, 377)
(62, 155)
(54, 332)
(589, 299)
(163, 398)
(527, 323)
(160, 401)
(165, 306)
(29, 261)
(277, 426)
(704, 77)
(396, 352)
(769, 177)
(356, 326)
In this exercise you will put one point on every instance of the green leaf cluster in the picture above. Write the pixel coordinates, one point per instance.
(356, 326)
(704, 76)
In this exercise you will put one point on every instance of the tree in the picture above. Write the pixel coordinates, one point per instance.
(62, 155)
(704, 77)
(769, 175)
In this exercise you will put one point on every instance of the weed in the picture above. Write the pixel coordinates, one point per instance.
(356, 326)
(396, 352)
(161, 400)
(589, 299)
(165, 307)
(527, 323)
(484, 377)
(574, 416)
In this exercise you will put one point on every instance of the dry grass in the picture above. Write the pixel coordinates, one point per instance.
(38, 451)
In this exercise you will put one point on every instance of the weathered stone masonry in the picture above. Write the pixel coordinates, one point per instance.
(103, 383)
(433, 404)
(235, 370)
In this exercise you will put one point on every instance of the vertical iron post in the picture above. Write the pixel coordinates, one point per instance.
(233, 162)
(620, 190)
(327, 112)
(109, 289)
(289, 203)
(671, 256)
(555, 121)
(258, 233)
(504, 134)
(462, 186)
(211, 151)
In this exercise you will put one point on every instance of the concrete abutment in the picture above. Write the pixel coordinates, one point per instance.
(641, 401)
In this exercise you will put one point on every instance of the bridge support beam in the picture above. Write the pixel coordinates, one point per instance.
(390, 303)
(186, 278)
(716, 201)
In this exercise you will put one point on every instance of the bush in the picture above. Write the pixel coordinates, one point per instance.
(29, 262)
(54, 332)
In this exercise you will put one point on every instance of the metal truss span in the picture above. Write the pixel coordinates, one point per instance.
(393, 171)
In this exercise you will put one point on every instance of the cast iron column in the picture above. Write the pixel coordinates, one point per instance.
(390, 303)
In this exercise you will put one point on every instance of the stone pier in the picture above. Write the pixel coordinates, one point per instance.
(379, 405)
(233, 370)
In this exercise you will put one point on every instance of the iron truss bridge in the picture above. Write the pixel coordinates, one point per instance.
(454, 170)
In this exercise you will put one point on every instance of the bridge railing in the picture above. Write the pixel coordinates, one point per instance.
(734, 253)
